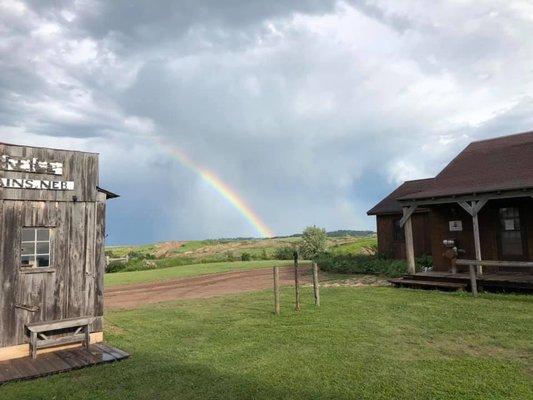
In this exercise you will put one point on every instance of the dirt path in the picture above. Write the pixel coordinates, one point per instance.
(203, 286)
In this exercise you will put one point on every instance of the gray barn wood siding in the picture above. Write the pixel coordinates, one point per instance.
(75, 287)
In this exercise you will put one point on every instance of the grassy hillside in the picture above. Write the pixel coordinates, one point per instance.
(363, 343)
(172, 254)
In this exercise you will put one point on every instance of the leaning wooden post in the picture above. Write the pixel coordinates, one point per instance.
(315, 284)
(296, 283)
(276, 291)
(473, 282)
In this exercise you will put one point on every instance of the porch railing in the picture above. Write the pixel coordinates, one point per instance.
(477, 263)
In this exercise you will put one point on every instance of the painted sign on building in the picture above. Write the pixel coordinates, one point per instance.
(37, 184)
(32, 165)
(8, 163)
(456, 226)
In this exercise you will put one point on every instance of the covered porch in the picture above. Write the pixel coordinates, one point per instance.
(485, 238)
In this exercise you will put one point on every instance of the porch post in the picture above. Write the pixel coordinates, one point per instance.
(473, 209)
(409, 246)
(477, 243)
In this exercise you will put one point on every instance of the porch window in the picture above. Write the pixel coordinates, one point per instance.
(398, 231)
(35, 247)
(510, 233)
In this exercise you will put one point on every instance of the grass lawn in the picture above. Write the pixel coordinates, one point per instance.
(161, 274)
(356, 246)
(363, 343)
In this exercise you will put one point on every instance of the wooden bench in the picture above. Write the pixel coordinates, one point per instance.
(38, 330)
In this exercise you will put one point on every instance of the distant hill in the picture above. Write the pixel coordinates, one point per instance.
(344, 232)
(174, 253)
(339, 233)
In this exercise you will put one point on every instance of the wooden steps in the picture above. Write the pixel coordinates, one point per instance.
(427, 284)
(522, 283)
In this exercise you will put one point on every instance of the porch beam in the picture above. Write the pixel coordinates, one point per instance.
(479, 205)
(467, 207)
(407, 212)
(473, 209)
(409, 245)
(469, 197)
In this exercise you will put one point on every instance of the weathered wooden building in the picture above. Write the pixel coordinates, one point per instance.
(52, 259)
(479, 207)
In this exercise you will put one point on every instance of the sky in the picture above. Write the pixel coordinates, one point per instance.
(250, 117)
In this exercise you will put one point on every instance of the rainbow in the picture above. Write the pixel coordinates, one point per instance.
(220, 186)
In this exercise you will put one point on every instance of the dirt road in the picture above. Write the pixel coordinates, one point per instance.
(203, 286)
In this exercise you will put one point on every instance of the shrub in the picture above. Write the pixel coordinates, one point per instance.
(284, 253)
(229, 256)
(424, 262)
(115, 266)
(369, 264)
(246, 257)
(140, 255)
(313, 242)
(361, 264)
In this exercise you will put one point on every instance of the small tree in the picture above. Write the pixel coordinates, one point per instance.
(313, 242)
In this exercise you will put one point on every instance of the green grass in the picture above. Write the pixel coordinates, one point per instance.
(363, 343)
(355, 247)
(161, 274)
(122, 251)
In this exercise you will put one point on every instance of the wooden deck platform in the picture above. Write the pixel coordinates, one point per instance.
(58, 361)
(515, 282)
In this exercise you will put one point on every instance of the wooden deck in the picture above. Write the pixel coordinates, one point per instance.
(515, 282)
(59, 361)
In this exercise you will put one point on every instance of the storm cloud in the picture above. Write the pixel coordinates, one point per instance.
(310, 110)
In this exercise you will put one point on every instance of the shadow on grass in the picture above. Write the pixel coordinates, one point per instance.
(149, 376)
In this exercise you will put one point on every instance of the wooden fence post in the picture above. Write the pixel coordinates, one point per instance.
(276, 291)
(296, 283)
(473, 282)
(315, 284)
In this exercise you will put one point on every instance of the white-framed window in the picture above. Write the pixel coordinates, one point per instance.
(35, 247)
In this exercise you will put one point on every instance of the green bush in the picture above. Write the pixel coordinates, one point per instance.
(426, 261)
(313, 242)
(246, 257)
(361, 264)
(369, 264)
(115, 266)
(284, 253)
(140, 255)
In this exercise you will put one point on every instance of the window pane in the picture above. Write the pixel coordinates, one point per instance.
(28, 235)
(28, 248)
(27, 261)
(43, 248)
(43, 234)
(43, 261)
(512, 243)
(398, 233)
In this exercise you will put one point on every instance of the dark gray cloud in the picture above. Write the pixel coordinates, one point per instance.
(310, 110)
